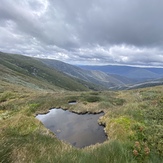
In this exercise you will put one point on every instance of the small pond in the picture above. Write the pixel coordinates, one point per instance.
(80, 130)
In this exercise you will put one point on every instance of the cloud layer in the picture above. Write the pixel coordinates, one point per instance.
(84, 31)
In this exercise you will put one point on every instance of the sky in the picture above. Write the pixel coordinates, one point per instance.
(94, 32)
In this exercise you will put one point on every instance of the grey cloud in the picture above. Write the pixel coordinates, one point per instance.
(115, 22)
(138, 23)
(49, 28)
(118, 32)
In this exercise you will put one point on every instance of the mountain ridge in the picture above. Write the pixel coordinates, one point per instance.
(23, 69)
(96, 77)
(137, 74)
(55, 74)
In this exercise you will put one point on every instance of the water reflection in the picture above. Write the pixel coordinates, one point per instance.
(80, 130)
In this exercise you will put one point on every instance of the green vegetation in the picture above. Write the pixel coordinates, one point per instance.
(133, 122)
(133, 119)
(33, 73)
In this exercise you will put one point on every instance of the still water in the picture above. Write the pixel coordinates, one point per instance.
(80, 130)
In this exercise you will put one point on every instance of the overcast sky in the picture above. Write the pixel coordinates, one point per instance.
(128, 32)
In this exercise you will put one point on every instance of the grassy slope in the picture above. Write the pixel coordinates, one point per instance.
(133, 120)
(96, 77)
(20, 69)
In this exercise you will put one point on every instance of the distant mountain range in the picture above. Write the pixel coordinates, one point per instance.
(55, 75)
(92, 76)
(111, 77)
(135, 73)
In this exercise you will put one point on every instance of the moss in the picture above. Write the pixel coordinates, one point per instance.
(124, 121)
(119, 127)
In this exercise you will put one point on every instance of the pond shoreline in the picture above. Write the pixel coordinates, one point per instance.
(90, 133)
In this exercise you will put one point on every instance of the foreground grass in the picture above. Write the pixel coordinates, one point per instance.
(133, 122)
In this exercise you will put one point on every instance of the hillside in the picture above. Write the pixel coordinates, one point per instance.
(56, 75)
(140, 73)
(30, 72)
(133, 123)
(136, 73)
(95, 76)
(132, 118)
(112, 77)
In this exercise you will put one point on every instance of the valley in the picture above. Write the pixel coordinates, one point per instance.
(133, 119)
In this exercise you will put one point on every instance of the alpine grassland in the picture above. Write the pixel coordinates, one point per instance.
(133, 123)
(133, 119)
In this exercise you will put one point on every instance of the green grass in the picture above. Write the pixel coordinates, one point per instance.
(26, 70)
(133, 122)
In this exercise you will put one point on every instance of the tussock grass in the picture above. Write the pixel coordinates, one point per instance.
(133, 122)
